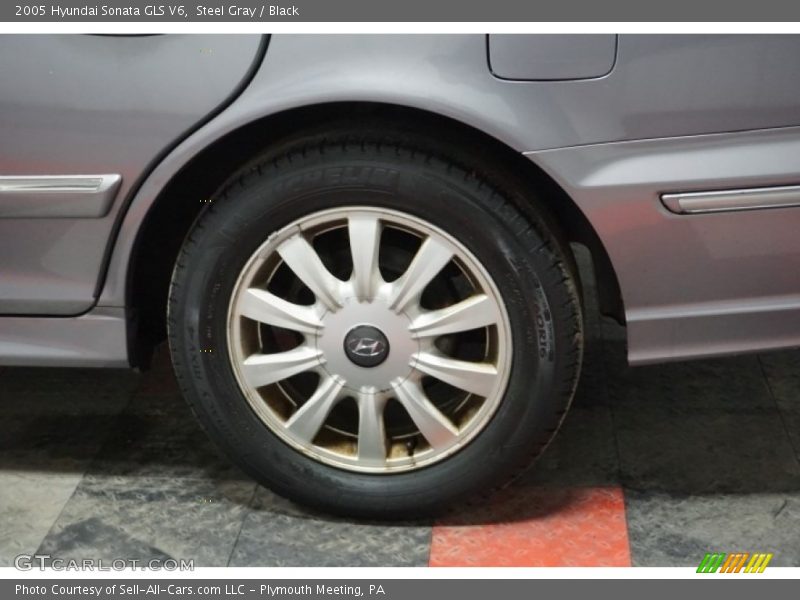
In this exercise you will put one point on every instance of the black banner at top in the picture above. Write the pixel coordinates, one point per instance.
(258, 11)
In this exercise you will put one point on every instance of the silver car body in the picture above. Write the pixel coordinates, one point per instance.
(680, 151)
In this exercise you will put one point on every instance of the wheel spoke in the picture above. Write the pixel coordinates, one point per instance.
(432, 424)
(365, 240)
(263, 369)
(474, 377)
(268, 308)
(371, 431)
(310, 417)
(301, 258)
(431, 258)
(472, 313)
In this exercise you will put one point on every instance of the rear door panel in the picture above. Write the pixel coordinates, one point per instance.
(92, 106)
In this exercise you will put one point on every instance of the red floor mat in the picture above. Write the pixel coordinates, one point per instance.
(537, 527)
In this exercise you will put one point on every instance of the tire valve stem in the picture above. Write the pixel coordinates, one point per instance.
(411, 445)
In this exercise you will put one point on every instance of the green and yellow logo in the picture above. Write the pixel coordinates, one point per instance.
(738, 562)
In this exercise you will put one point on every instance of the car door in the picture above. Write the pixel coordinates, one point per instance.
(82, 119)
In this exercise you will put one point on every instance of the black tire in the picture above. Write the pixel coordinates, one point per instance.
(531, 267)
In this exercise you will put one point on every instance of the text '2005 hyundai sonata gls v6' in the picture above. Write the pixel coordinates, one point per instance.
(360, 247)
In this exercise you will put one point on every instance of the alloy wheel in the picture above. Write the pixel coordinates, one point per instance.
(369, 339)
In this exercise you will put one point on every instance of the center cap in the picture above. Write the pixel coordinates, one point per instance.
(366, 346)
(363, 331)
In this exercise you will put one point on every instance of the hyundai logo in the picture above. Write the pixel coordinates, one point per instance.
(366, 346)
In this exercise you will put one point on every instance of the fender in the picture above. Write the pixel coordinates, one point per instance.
(448, 75)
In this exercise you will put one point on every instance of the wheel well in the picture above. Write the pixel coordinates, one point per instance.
(184, 197)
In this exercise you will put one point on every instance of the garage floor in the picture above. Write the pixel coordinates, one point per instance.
(655, 466)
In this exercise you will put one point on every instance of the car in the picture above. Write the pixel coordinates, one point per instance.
(360, 248)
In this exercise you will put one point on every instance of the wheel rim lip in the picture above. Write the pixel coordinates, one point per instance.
(419, 227)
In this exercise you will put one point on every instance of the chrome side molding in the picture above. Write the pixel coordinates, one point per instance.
(690, 203)
(57, 196)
